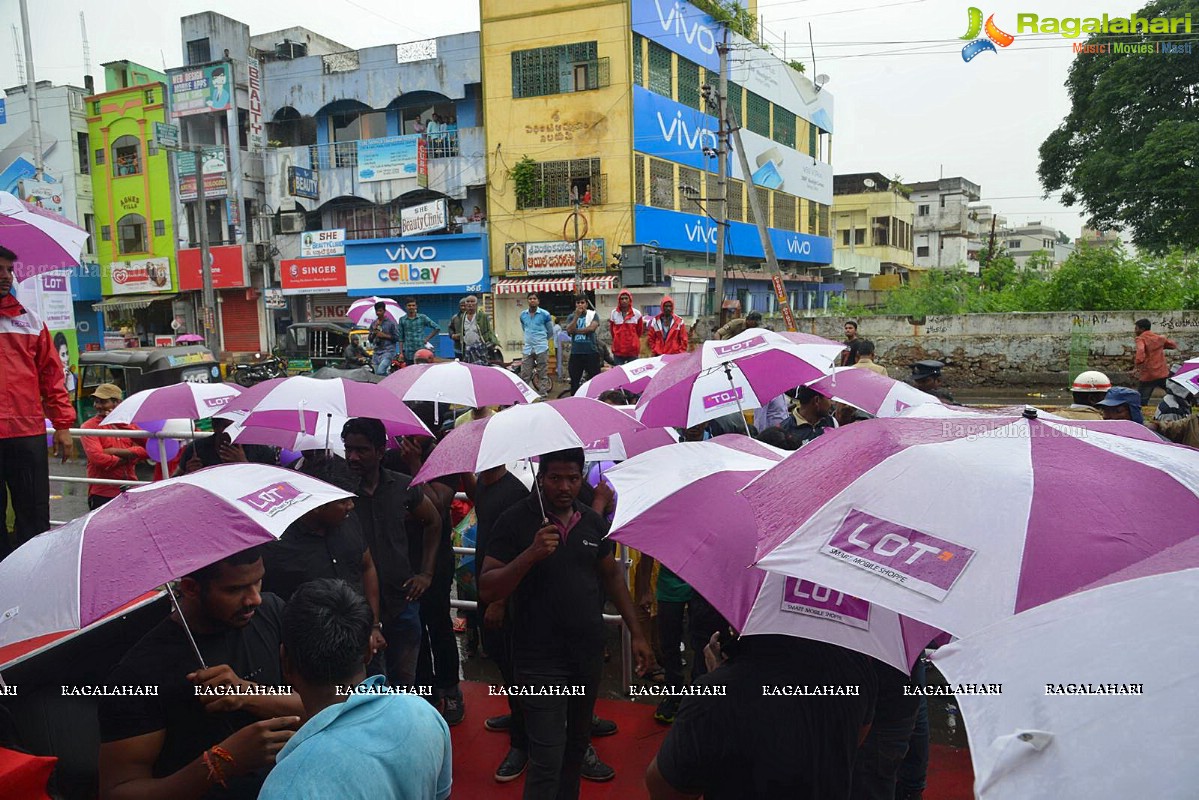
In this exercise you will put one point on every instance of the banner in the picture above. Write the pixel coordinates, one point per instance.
(389, 158)
(43, 194)
(555, 258)
(216, 174)
(312, 275)
(257, 135)
(202, 89)
(423, 218)
(146, 275)
(314, 244)
(228, 268)
(303, 182)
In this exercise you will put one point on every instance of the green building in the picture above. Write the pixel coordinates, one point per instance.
(134, 222)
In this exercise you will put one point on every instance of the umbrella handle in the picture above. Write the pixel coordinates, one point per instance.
(328, 425)
(187, 630)
(728, 373)
(544, 517)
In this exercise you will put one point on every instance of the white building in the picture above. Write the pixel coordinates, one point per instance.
(945, 229)
(1024, 241)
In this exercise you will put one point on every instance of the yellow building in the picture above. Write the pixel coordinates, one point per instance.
(600, 102)
(872, 220)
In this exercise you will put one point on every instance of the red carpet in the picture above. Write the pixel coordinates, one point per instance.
(477, 752)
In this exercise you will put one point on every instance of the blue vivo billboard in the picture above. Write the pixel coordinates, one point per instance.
(673, 131)
(674, 230)
(417, 265)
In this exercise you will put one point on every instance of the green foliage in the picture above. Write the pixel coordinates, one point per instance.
(1091, 279)
(796, 65)
(526, 181)
(1127, 150)
(733, 15)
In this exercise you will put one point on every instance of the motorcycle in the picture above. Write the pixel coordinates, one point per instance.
(247, 375)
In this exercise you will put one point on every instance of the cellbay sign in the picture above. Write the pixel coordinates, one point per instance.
(426, 217)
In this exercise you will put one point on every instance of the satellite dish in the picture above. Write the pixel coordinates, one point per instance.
(868, 183)
(821, 79)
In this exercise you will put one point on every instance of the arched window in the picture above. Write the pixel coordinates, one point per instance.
(126, 156)
(131, 234)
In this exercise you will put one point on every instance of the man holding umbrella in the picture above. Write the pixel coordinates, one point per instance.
(32, 390)
(384, 335)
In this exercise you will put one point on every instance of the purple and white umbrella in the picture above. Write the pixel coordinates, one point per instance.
(459, 383)
(622, 446)
(724, 377)
(873, 393)
(679, 504)
(633, 376)
(365, 309)
(297, 404)
(177, 401)
(69, 577)
(42, 240)
(523, 432)
(960, 522)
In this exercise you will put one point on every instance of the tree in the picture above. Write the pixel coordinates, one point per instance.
(1128, 151)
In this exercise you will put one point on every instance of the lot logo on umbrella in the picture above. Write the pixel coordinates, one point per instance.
(722, 398)
(639, 370)
(274, 498)
(915, 560)
(813, 600)
(739, 347)
(217, 402)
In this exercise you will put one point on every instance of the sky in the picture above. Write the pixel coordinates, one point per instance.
(905, 102)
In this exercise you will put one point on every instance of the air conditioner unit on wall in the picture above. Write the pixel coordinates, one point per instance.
(291, 223)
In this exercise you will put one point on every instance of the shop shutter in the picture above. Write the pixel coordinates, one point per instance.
(239, 318)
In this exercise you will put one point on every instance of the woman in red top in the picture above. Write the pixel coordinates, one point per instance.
(109, 457)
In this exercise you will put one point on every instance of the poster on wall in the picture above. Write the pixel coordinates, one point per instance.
(50, 294)
(43, 194)
(555, 258)
(202, 89)
(215, 165)
(146, 275)
(257, 134)
(390, 158)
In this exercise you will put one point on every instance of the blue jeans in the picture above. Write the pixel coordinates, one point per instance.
(381, 361)
(403, 635)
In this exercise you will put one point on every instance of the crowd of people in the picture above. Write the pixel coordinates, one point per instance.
(327, 662)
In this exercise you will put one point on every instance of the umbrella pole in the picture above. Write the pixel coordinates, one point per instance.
(728, 373)
(162, 456)
(187, 630)
(328, 425)
(540, 499)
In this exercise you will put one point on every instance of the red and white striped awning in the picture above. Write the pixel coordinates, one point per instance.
(557, 284)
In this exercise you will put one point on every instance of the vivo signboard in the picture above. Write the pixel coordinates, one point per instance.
(424, 265)
(423, 218)
(674, 230)
(683, 28)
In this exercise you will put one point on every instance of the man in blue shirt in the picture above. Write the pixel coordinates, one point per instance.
(538, 327)
(359, 740)
(412, 330)
(384, 335)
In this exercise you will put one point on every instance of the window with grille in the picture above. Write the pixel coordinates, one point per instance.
(126, 156)
(689, 84)
(560, 182)
(551, 70)
(99, 156)
(198, 51)
(784, 211)
(106, 233)
(692, 198)
(639, 180)
(638, 65)
(131, 234)
(660, 79)
(757, 114)
(823, 220)
(733, 102)
(812, 217)
(712, 192)
(84, 147)
(784, 126)
(736, 200)
(160, 227)
(661, 184)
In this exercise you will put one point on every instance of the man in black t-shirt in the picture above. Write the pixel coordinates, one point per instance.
(877, 761)
(219, 449)
(158, 746)
(553, 564)
(762, 740)
(386, 501)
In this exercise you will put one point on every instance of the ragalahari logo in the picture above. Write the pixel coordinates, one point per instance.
(978, 45)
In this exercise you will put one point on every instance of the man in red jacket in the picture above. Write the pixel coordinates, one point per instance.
(626, 324)
(109, 458)
(1149, 365)
(667, 331)
(31, 389)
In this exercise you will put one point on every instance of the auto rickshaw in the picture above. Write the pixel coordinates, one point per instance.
(309, 346)
(140, 368)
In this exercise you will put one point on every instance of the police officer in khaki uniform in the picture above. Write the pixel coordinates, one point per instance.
(1087, 390)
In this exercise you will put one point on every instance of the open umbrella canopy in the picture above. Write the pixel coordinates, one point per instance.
(177, 401)
(679, 504)
(42, 240)
(962, 521)
(459, 383)
(633, 376)
(364, 309)
(298, 403)
(724, 377)
(523, 432)
(1100, 691)
(873, 393)
(69, 577)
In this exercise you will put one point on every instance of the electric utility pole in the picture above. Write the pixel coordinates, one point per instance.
(722, 176)
(35, 113)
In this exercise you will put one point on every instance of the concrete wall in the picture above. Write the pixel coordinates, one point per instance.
(1015, 349)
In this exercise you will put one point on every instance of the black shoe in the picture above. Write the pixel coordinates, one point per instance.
(453, 709)
(601, 727)
(513, 765)
(501, 723)
(594, 769)
(667, 710)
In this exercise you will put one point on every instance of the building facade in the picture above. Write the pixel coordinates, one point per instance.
(594, 115)
(375, 175)
(134, 228)
(872, 229)
(945, 229)
(1022, 242)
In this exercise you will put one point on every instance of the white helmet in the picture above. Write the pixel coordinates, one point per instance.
(1091, 381)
